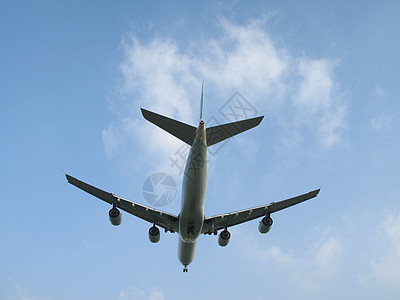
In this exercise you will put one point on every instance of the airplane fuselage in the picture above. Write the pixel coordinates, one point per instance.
(194, 189)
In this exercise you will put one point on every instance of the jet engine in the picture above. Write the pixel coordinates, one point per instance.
(223, 238)
(154, 234)
(265, 224)
(115, 216)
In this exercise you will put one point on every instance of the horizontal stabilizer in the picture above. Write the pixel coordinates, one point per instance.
(219, 133)
(178, 129)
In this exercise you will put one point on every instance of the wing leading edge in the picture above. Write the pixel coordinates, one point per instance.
(218, 222)
(163, 219)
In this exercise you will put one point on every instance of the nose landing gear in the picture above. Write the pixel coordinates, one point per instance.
(185, 269)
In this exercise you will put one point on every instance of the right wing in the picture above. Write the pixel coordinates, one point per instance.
(212, 224)
(165, 220)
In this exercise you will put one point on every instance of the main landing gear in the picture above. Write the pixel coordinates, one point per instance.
(185, 269)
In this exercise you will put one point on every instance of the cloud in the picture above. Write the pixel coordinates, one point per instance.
(134, 293)
(318, 99)
(379, 92)
(316, 83)
(384, 268)
(19, 293)
(247, 60)
(319, 265)
(164, 77)
(159, 74)
(275, 253)
(326, 256)
(382, 122)
(331, 126)
(309, 270)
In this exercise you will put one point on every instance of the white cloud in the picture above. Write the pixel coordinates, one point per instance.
(379, 92)
(382, 122)
(156, 295)
(275, 253)
(385, 267)
(317, 97)
(246, 60)
(166, 78)
(112, 140)
(331, 125)
(316, 84)
(320, 266)
(326, 256)
(134, 293)
(309, 270)
(19, 293)
(159, 75)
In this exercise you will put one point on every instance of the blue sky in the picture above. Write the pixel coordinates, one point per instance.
(325, 75)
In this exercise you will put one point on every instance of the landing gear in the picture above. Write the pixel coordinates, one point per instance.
(185, 269)
(190, 228)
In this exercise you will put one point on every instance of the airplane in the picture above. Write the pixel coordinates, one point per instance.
(192, 222)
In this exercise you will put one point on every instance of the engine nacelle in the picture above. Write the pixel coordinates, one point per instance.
(154, 234)
(223, 238)
(115, 216)
(265, 225)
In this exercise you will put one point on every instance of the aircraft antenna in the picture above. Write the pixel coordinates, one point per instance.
(201, 102)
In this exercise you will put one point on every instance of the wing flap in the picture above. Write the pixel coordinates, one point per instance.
(163, 219)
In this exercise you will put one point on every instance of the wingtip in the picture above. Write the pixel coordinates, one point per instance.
(68, 177)
(145, 113)
(258, 120)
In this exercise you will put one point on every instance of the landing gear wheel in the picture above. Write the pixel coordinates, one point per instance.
(185, 269)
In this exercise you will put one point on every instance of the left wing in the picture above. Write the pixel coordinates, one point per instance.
(165, 220)
(212, 224)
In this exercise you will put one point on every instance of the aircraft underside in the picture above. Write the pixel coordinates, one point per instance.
(191, 222)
